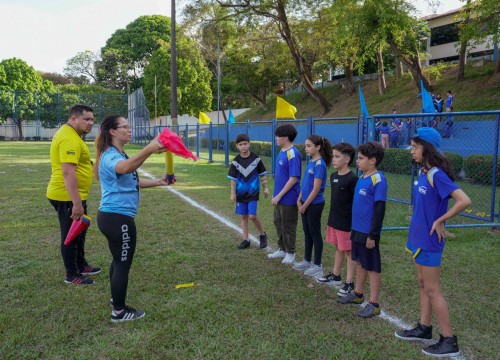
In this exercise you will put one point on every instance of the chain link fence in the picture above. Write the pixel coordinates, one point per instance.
(37, 115)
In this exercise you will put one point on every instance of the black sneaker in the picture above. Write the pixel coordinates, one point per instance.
(244, 244)
(346, 289)
(80, 280)
(89, 270)
(446, 346)
(331, 279)
(418, 333)
(127, 314)
(263, 241)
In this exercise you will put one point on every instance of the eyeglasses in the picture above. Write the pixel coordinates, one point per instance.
(124, 127)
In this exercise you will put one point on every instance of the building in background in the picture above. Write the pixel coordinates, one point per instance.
(442, 45)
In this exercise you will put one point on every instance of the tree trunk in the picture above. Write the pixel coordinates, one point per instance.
(349, 82)
(463, 48)
(300, 62)
(381, 75)
(19, 124)
(399, 68)
(261, 98)
(412, 62)
(497, 66)
(461, 61)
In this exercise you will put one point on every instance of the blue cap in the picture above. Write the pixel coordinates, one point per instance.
(430, 135)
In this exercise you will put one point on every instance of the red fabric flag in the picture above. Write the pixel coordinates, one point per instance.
(174, 144)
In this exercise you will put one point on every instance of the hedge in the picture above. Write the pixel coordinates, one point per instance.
(479, 169)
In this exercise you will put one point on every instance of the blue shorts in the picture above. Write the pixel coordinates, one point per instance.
(368, 258)
(424, 257)
(249, 208)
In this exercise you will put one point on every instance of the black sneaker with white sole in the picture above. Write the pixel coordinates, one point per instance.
(418, 333)
(244, 244)
(446, 346)
(127, 314)
(331, 279)
(346, 289)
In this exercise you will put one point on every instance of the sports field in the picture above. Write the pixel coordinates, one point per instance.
(245, 307)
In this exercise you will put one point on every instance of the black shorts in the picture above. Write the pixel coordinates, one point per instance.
(368, 258)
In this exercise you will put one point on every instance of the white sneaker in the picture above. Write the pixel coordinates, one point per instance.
(303, 265)
(289, 259)
(278, 254)
(314, 271)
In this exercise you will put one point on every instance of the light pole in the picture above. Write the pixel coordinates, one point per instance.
(218, 85)
(173, 67)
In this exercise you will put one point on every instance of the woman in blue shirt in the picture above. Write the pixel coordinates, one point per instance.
(120, 185)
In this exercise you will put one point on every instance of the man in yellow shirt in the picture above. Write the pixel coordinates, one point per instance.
(69, 187)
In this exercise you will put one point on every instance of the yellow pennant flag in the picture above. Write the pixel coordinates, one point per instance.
(203, 118)
(284, 110)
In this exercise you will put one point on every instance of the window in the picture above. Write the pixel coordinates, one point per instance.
(444, 34)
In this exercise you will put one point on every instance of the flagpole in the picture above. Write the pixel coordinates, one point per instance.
(218, 84)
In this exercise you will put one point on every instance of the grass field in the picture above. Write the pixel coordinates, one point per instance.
(246, 306)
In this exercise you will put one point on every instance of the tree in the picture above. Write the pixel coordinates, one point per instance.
(193, 79)
(82, 66)
(127, 51)
(483, 25)
(277, 12)
(22, 92)
(392, 23)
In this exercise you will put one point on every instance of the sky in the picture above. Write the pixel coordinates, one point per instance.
(46, 33)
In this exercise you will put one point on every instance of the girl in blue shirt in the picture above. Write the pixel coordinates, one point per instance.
(426, 238)
(120, 185)
(311, 202)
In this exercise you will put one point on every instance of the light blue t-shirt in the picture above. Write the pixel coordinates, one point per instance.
(120, 192)
(314, 170)
(368, 191)
(431, 193)
(288, 164)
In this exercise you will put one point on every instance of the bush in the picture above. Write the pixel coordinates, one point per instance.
(399, 161)
(479, 168)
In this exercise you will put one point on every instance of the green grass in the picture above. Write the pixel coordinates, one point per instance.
(246, 305)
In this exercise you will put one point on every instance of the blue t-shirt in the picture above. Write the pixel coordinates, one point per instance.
(431, 193)
(449, 101)
(288, 164)
(384, 130)
(246, 172)
(314, 170)
(120, 192)
(368, 191)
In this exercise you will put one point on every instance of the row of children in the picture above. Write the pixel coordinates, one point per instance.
(357, 211)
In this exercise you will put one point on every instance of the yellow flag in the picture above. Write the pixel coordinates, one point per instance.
(284, 110)
(203, 118)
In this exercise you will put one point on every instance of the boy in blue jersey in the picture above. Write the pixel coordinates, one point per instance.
(245, 171)
(286, 192)
(368, 210)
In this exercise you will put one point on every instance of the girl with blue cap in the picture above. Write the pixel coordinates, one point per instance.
(426, 238)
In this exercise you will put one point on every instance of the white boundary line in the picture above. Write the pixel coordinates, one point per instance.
(383, 315)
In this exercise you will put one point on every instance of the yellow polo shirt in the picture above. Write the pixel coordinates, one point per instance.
(68, 147)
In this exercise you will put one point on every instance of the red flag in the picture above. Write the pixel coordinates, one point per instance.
(77, 227)
(174, 144)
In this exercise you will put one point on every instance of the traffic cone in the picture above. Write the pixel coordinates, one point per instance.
(77, 227)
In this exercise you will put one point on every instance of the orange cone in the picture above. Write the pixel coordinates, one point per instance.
(77, 227)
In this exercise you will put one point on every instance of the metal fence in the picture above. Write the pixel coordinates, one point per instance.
(470, 141)
(37, 115)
